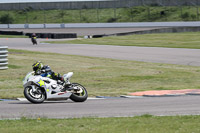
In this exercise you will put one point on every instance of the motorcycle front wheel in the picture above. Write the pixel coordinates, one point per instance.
(80, 93)
(34, 97)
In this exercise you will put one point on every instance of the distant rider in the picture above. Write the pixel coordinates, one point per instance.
(33, 35)
(45, 71)
(33, 38)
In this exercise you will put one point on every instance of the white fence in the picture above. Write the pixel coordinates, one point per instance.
(3, 57)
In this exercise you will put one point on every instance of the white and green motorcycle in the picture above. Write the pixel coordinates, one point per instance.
(37, 89)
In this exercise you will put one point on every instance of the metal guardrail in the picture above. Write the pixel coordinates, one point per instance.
(3, 57)
(102, 25)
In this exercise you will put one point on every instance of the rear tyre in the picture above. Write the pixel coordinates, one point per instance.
(80, 93)
(34, 97)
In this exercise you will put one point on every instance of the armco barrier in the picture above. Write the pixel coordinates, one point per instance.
(103, 25)
(3, 57)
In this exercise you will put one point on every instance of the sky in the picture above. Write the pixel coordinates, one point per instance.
(32, 1)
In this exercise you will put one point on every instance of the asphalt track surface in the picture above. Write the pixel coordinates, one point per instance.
(145, 54)
(115, 107)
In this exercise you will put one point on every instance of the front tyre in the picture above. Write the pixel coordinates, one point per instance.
(80, 93)
(34, 97)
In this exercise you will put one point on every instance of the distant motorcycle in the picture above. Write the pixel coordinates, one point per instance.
(37, 89)
(34, 41)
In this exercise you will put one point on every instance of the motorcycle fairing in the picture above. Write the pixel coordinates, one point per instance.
(40, 82)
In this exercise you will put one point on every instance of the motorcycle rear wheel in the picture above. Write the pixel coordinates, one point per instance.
(79, 96)
(33, 96)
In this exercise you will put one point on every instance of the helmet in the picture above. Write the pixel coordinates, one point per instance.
(37, 66)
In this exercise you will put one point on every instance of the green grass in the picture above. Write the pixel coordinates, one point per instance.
(138, 124)
(133, 14)
(169, 40)
(108, 77)
(13, 36)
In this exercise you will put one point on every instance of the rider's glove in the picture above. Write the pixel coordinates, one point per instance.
(38, 72)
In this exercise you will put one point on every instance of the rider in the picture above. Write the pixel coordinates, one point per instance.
(45, 71)
(33, 35)
(33, 38)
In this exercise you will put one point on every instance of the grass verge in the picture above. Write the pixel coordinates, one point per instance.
(108, 77)
(138, 124)
(131, 14)
(13, 36)
(169, 40)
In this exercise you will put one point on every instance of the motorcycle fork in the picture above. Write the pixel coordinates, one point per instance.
(35, 90)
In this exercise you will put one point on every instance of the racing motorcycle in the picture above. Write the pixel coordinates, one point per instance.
(37, 89)
(34, 41)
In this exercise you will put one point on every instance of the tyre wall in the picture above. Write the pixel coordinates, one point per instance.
(3, 57)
